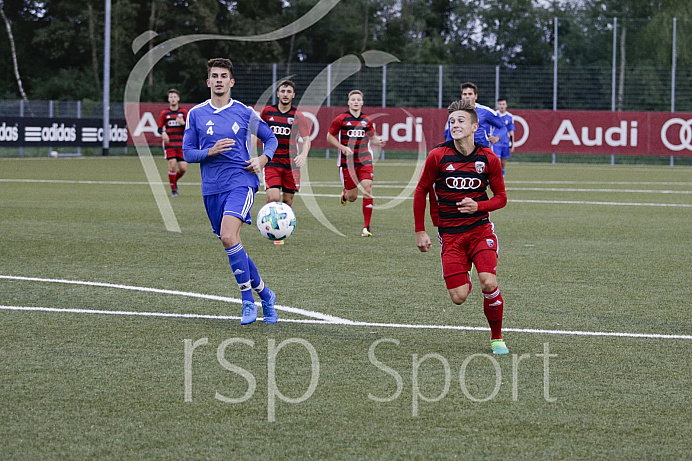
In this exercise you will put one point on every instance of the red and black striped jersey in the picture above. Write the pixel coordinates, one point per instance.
(452, 176)
(168, 123)
(355, 133)
(287, 127)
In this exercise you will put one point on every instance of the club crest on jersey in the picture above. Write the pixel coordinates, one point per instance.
(235, 127)
(480, 167)
(363, 122)
(290, 120)
(490, 243)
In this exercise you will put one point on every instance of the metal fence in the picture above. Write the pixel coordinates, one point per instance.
(406, 85)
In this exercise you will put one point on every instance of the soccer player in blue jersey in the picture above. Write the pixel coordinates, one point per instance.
(488, 119)
(217, 136)
(505, 146)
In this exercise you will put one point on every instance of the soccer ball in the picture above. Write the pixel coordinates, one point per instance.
(54, 153)
(276, 221)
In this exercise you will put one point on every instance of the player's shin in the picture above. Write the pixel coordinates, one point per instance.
(367, 211)
(493, 306)
(238, 260)
(256, 281)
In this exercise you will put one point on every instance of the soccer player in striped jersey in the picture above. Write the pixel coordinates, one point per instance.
(459, 172)
(282, 173)
(171, 126)
(218, 137)
(351, 133)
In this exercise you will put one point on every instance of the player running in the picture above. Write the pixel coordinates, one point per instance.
(459, 173)
(505, 146)
(217, 136)
(171, 126)
(355, 132)
(282, 173)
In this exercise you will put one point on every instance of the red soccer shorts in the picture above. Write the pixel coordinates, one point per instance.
(174, 153)
(362, 172)
(478, 246)
(288, 180)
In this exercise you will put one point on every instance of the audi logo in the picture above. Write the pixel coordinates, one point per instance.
(355, 133)
(685, 134)
(463, 183)
(281, 130)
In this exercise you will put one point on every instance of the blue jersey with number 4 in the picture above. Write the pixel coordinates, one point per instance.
(206, 125)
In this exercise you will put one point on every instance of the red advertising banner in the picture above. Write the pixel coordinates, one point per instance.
(537, 131)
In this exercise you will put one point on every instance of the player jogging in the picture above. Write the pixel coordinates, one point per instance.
(488, 119)
(217, 136)
(282, 173)
(459, 173)
(171, 126)
(355, 131)
(505, 146)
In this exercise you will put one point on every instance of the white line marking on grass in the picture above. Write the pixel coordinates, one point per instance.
(293, 310)
(386, 197)
(339, 321)
(581, 202)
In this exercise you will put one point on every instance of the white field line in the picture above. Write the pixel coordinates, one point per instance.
(293, 310)
(321, 319)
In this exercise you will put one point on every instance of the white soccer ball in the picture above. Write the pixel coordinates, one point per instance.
(276, 221)
(54, 153)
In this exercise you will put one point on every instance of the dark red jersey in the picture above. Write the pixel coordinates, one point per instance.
(167, 123)
(355, 133)
(288, 127)
(452, 176)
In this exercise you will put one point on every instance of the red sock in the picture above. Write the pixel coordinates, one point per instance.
(367, 210)
(173, 180)
(493, 305)
(179, 175)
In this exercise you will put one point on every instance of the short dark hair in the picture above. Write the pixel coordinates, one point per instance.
(469, 85)
(287, 83)
(464, 106)
(173, 90)
(223, 63)
(501, 99)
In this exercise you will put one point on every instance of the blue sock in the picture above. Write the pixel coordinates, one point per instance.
(503, 172)
(238, 260)
(256, 281)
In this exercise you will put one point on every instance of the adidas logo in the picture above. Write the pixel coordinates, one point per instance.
(348, 123)
(449, 168)
(238, 272)
(496, 303)
(271, 119)
(210, 123)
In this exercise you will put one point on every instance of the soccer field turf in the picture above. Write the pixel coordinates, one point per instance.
(370, 359)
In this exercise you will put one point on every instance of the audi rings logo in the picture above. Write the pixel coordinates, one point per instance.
(463, 183)
(355, 133)
(685, 134)
(281, 130)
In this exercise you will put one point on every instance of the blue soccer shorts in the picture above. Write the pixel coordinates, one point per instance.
(501, 151)
(235, 202)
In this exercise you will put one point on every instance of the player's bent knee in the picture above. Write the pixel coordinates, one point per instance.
(458, 298)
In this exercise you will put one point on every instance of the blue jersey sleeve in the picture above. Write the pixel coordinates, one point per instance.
(191, 151)
(266, 135)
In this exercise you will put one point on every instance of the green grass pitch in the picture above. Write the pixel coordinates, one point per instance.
(583, 249)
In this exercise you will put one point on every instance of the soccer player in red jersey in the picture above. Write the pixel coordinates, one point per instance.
(352, 132)
(282, 173)
(459, 172)
(171, 128)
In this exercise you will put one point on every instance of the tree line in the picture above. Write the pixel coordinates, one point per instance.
(55, 47)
